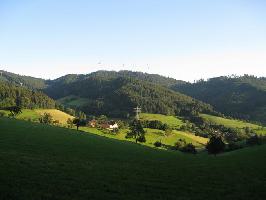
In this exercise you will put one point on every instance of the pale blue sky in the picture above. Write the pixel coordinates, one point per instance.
(184, 39)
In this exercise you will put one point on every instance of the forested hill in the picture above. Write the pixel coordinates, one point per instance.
(117, 97)
(106, 75)
(241, 97)
(38, 83)
(27, 81)
(13, 95)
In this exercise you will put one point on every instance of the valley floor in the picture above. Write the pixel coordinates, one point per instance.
(46, 162)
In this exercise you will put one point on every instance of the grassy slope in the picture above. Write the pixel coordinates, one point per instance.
(229, 122)
(153, 135)
(57, 114)
(73, 101)
(34, 115)
(172, 121)
(44, 162)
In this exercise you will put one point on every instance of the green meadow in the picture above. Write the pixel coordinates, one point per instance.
(46, 162)
(34, 114)
(73, 101)
(171, 121)
(231, 123)
(153, 135)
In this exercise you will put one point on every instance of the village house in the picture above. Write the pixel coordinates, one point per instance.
(93, 123)
(109, 126)
(112, 125)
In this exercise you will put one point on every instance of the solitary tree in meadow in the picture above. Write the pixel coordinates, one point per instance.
(46, 118)
(137, 131)
(215, 145)
(14, 110)
(79, 122)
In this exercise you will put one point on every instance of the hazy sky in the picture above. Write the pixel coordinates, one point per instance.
(184, 39)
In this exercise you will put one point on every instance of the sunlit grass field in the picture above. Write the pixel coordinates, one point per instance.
(153, 135)
(62, 117)
(46, 162)
(231, 123)
(172, 121)
(35, 114)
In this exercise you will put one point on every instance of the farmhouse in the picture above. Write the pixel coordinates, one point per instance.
(93, 123)
(113, 125)
(109, 126)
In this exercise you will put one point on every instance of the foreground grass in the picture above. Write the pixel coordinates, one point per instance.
(45, 162)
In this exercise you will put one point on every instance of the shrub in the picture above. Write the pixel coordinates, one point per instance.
(233, 146)
(253, 140)
(69, 123)
(46, 118)
(168, 131)
(154, 124)
(215, 145)
(189, 148)
(157, 144)
(141, 139)
(56, 122)
(179, 144)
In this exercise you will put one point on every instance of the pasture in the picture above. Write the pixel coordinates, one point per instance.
(45, 162)
(171, 121)
(153, 135)
(62, 117)
(231, 123)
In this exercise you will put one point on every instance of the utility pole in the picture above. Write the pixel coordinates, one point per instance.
(137, 110)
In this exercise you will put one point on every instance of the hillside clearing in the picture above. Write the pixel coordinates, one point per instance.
(73, 101)
(62, 117)
(35, 114)
(172, 121)
(230, 123)
(153, 135)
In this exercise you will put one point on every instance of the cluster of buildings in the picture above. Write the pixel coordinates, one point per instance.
(111, 125)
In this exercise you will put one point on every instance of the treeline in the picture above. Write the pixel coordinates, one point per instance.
(117, 97)
(12, 95)
(26, 81)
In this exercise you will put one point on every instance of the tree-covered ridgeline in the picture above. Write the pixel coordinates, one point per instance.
(13, 95)
(26, 81)
(118, 96)
(241, 97)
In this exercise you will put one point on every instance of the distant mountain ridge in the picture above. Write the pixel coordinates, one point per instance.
(39, 83)
(152, 78)
(27, 81)
(116, 96)
(241, 97)
(115, 93)
(13, 95)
